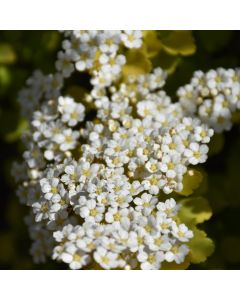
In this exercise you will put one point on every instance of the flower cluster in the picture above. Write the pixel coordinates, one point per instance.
(97, 187)
(96, 52)
(213, 96)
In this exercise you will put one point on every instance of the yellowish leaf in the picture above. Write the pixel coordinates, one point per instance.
(137, 63)
(194, 210)
(191, 181)
(179, 42)
(151, 43)
(200, 246)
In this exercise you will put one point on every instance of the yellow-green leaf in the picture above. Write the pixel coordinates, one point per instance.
(200, 246)
(151, 43)
(194, 210)
(137, 63)
(191, 181)
(179, 42)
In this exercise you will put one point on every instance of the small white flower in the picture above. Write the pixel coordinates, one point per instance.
(150, 260)
(196, 153)
(152, 165)
(181, 232)
(203, 133)
(74, 257)
(158, 242)
(177, 253)
(72, 112)
(115, 215)
(50, 188)
(146, 203)
(106, 259)
(172, 165)
(169, 207)
(132, 38)
(67, 139)
(92, 212)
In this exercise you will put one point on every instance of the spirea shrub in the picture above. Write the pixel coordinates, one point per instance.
(107, 173)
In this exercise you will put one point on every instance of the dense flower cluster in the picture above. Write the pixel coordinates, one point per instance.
(96, 187)
(213, 96)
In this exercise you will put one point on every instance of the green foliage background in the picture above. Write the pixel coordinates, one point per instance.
(181, 53)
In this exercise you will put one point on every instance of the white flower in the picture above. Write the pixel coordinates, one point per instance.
(177, 253)
(41, 210)
(91, 211)
(74, 257)
(163, 223)
(152, 165)
(181, 232)
(150, 260)
(203, 133)
(50, 188)
(115, 215)
(72, 112)
(136, 240)
(110, 40)
(158, 242)
(112, 64)
(67, 139)
(87, 170)
(132, 38)
(145, 108)
(172, 165)
(157, 79)
(196, 153)
(86, 243)
(169, 207)
(106, 259)
(153, 183)
(135, 188)
(111, 244)
(122, 199)
(146, 203)
(85, 60)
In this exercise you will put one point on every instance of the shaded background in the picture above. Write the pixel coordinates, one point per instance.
(21, 52)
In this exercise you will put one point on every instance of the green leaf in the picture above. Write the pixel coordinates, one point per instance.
(7, 54)
(194, 210)
(179, 42)
(200, 246)
(137, 63)
(191, 181)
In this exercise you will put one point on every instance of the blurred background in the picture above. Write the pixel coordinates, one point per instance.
(22, 52)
